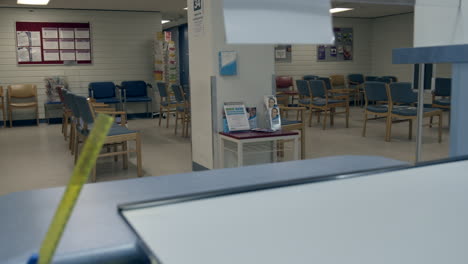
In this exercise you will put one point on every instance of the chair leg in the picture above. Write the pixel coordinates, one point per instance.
(168, 116)
(410, 134)
(365, 124)
(324, 120)
(77, 147)
(332, 116)
(116, 157)
(430, 121)
(10, 115)
(310, 117)
(138, 152)
(347, 115)
(176, 121)
(388, 134)
(72, 146)
(302, 143)
(125, 156)
(440, 127)
(160, 115)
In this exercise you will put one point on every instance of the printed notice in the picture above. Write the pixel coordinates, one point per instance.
(83, 55)
(82, 44)
(67, 44)
(236, 117)
(35, 38)
(36, 54)
(81, 33)
(67, 33)
(51, 55)
(23, 54)
(49, 33)
(50, 43)
(23, 38)
(67, 55)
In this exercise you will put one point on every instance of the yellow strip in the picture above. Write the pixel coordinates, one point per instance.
(86, 163)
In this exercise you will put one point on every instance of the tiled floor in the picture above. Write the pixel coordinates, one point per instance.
(38, 157)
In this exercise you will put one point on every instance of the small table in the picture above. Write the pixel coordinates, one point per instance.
(245, 137)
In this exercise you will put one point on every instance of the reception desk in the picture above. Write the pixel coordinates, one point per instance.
(97, 234)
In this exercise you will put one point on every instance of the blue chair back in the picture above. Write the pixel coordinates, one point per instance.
(371, 78)
(384, 79)
(392, 78)
(402, 93)
(318, 89)
(70, 101)
(303, 88)
(162, 89)
(135, 88)
(101, 90)
(84, 109)
(177, 93)
(356, 78)
(327, 82)
(186, 90)
(443, 87)
(376, 91)
(310, 77)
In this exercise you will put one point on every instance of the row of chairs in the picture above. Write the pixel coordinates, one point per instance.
(79, 115)
(19, 96)
(180, 106)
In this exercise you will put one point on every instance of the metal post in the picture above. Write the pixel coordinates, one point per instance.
(214, 124)
(420, 113)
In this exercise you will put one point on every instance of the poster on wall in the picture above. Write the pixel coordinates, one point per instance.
(53, 43)
(283, 53)
(227, 63)
(342, 50)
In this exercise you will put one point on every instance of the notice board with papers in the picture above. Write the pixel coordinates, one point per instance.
(53, 43)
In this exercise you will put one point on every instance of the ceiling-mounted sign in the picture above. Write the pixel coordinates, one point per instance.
(198, 20)
(278, 22)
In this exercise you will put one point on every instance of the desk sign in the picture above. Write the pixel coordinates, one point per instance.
(236, 117)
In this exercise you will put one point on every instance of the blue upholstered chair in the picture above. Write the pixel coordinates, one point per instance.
(371, 78)
(384, 79)
(104, 92)
(333, 93)
(118, 135)
(310, 77)
(304, 92)
(136, 92)
(443, 88)
(356, 81)
(321, 102)
(392, 78)
(375, 92)
(400, 95)
(182, 109)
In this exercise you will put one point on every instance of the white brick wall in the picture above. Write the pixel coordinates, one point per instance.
(122, 44)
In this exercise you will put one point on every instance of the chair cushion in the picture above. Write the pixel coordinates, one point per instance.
(377, 108)
(180, 109)
(340, 95)
(135, 89)
(290, 122)
(410, 110)
(32, 104)
(304, 101)
(323, 102)
(139, 99)
(444, 102)
(119, 130)
(108, 100)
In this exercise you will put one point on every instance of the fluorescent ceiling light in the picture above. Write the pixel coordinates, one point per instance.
(165, 21)
(33, 2)
(185, 8)
(339, 9)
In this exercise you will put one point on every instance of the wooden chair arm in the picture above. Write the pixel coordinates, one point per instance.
(292, 108)
(344, 90)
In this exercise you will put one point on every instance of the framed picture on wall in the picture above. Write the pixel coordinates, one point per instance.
(341, 50)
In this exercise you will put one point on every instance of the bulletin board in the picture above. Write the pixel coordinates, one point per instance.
(53, 43)
(342, 50)
(283, 53)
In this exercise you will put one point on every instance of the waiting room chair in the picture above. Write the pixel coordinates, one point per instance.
(339, 85)
(136, 92)
(66, 115)
(441, 96)
(2, 105)
(384, 80)
(401, 93)
(375, 92)
(356, 81)
(182, 110)
(165, 104)
(371, 78)
(299, 124)
(117, 136)
(392, 78)
(283, 83)
(310, 77)
(104, 92)
(17, 98)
